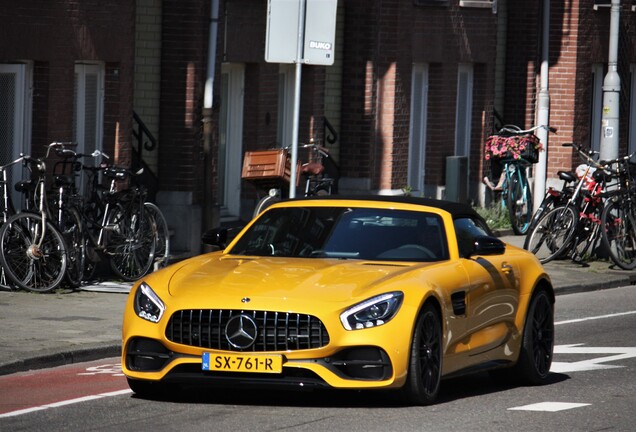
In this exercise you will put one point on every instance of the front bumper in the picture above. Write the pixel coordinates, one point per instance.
(348, 367)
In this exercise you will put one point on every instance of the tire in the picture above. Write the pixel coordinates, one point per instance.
(28, 265)
(519, 202)
(72, 230)
(425, 362)
(619, 233)
(546, 205)
(162, 236)
(130, 243)
(552, 235)
(537, 346)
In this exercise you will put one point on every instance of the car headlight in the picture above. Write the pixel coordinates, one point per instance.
(148, 305)
(373, 312)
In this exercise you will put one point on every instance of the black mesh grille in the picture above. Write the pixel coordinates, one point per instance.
(277, 331)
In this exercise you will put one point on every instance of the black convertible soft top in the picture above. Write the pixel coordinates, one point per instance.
(454, 208)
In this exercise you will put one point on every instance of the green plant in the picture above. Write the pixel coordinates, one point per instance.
(496, 217)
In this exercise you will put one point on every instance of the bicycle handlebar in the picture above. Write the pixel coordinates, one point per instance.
(516, 130)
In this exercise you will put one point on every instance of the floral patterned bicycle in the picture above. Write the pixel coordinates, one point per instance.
(513, 150)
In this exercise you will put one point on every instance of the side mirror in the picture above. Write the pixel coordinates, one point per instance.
(215, 237)
(487, 245)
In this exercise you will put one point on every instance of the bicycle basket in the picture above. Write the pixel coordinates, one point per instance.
(524, 147)
(267, 168)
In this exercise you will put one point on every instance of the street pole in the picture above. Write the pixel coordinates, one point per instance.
(543, 117)
(611, 90)
(298, 76)
(208, 215)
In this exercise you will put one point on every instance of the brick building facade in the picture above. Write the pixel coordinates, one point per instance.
(414, 82)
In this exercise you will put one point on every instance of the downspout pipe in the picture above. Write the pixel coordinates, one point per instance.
(543, 116)
(209, 217)
(611, 90)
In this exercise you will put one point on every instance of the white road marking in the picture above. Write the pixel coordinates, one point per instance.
(595, 318)
(616, 353)
(65, 402)
(549, 406)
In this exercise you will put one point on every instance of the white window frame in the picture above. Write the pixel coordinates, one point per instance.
(598, 75)
(22, 117)
(464, 109)
(82, 70)
(286, 77)
(632, 111)
(418, 127)
(231, 137)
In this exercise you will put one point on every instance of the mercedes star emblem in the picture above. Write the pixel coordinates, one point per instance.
(241, 331)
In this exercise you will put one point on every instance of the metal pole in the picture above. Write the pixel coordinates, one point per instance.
(299, 61)
(208, 215)
(540, 173)
(611, 90)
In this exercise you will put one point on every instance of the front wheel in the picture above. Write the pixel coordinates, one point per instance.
(537, 347)
(33, 255)
(425, 363)
(162, 235)
(619, 233)
(519, 202)
(552, 235)
(131, 242)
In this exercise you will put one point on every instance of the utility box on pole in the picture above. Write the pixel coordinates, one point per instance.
(457, 178)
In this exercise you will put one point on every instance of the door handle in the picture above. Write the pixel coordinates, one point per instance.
(506, 268)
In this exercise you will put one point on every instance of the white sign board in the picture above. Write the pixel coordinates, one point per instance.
(283, 28)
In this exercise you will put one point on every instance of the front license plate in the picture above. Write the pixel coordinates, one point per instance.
(265, 363)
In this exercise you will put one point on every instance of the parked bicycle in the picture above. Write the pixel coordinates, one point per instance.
(619, 216)
(320, 174)
(33, 253)
(574, 228)
(514, 150)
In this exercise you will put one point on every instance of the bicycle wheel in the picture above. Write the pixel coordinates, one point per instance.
(130, 242)
(519, 200)
(32, 261)
(162, 235)
(71, 229)
(553, 233)
(619, 233)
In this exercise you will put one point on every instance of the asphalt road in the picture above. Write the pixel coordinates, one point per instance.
(592, 388)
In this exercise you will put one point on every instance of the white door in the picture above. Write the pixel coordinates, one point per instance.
(15, 118)
(417, 139)
(88, 113)
(231, 139)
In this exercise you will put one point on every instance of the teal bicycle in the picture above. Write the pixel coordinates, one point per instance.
(515, 150)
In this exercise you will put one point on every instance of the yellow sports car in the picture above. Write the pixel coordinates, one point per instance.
(390, 293)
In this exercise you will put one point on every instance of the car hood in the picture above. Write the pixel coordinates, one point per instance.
(282, 280)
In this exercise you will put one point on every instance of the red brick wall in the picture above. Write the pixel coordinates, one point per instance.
(56, 34)
(382, 41)
(183, 72)
(579, 38)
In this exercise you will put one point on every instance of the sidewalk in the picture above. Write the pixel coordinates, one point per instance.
(42, 330)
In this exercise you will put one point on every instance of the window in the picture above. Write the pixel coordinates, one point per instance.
(490, 4)
(15, 116)
(597, 104)
(464, 108)
(417, 140)
(88, 117)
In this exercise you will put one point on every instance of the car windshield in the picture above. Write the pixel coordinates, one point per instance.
(341, 232)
